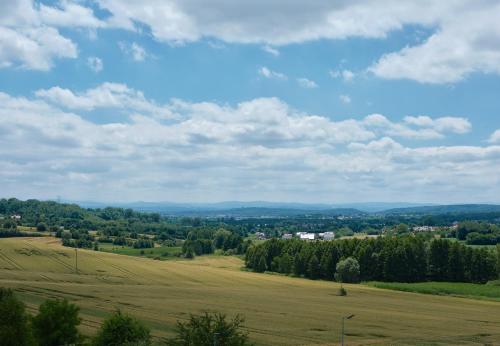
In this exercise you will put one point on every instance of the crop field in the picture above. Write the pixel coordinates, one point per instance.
(279, 310)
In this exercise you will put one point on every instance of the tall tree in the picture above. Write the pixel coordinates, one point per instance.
(56, 323)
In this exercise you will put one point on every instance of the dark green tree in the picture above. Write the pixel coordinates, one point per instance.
(456, 265)
(14, 322)
(56, 323)
(327, 266)
(313, 268)
(122, 330)
(347, 270)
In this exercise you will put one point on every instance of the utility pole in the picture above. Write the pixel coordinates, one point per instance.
(343, 322)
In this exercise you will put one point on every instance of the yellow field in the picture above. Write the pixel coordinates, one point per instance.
(279, 310)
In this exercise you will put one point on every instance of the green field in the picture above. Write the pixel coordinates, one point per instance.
(279, 310)
(458, 289)
(161, 252)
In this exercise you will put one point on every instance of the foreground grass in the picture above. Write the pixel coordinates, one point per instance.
(458, 289)
(279, 310)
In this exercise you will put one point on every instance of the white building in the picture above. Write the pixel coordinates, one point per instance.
(306, 236)
(287, 236)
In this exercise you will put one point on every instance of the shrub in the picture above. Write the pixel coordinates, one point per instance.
(209, 329)
(122, 329)
(56, 323)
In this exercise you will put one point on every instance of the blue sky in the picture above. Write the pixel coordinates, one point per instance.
(203, 101)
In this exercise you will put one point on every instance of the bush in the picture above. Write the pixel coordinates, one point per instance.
(122, 329)
(41, 227)
(209, 329)
(14, 322)
(342, 291)
(348, 270)
(56, 323)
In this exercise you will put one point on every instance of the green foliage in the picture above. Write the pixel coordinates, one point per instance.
(14, 322)
(56, 323)
(41, 227)
(402, 259)
(210, 329)
(121, 329)
(348, 271)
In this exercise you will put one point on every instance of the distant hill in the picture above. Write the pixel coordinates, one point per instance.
(171, 208)
(445, 209)
(256, 212)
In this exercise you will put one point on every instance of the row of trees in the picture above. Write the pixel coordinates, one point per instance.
(398, 259)
(206, 241)
(478, 233)
(57, 324)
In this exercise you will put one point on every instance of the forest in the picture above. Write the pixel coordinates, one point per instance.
(398, 259)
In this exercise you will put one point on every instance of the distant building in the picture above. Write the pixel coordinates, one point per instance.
(328, 236)
(15, 217)
(260, 235)
(306, 236)
(287, 236)
(425, 229)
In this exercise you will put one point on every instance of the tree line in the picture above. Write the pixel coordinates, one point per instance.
(57, 321)
(207, 241)
(393, 259)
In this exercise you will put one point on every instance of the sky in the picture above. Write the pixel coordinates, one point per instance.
(272, 100)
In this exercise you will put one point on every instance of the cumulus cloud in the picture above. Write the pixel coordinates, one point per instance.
(257, 149)
(29, 35)
(270, 74)
(307, 83)
(418, 127)
(449, 55)
(106, 95)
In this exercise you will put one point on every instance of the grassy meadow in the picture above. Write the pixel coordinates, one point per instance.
(458, 289)
(160, 252)
(279, 310)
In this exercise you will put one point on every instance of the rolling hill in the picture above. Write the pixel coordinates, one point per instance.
(278, 310)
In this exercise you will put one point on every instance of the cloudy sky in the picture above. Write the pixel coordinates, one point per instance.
(277, 100)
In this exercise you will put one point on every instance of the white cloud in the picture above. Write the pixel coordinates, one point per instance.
(106, 95)
(307, 83)
(465, 39)
(95, 63)
(34, 47)
(346, 75)
(271, 50)
(420, 127)
(29, 35)
(346, 99)
(270, 74)
(495, 137)
(69, 14)
(137, 52)
(258, 149)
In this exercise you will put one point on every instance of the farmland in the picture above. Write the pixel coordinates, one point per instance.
(279, 310)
